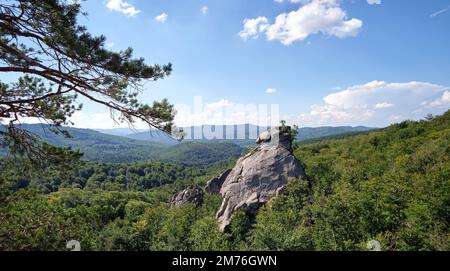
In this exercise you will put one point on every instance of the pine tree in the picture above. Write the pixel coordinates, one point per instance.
(59, 60)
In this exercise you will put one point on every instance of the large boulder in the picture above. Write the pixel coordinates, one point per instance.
(259, 175)
(192, 194)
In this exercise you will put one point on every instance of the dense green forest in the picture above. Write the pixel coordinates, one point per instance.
(391, 185)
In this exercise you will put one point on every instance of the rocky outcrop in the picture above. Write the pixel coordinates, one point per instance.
(259, 175)
(192, 194)
(213, 186)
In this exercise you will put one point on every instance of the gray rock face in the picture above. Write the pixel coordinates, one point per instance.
(259, 175)
(192, 194)
(213, 186)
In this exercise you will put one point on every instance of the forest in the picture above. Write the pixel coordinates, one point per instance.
(390, 185)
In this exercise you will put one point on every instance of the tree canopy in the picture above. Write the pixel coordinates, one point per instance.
(59, 60)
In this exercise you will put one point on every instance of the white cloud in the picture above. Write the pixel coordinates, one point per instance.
(377, 102)
(122, 7)
(313, 17)
(109, 45)
(374, 2)
(383, 105)
(252, 27)
(204, 9)
(215, 113)
(162, 18)
(271, 90)
(442, 101)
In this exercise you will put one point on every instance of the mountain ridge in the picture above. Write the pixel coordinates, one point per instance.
(98, 146)
(240, 134)
(153, 145)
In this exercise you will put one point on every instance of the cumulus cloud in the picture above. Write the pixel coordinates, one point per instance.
(122, 7)
(252, 27)
(312, 17)
(377, 102)
(374, 2)
(162, 18)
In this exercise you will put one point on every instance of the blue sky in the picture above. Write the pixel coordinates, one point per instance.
(325, 62)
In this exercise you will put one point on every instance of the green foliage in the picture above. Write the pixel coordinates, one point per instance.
(283, 223)
(390, 185)
(200, 153)
(94, 176)
(32, 222)
(205, 235)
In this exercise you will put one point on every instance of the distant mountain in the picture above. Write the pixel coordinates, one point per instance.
(307, 133)
(97, 146)
(200, 147)
(153, 136)
(242, 135)
(120, 131)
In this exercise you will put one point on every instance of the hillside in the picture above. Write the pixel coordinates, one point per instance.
(200, 153)
(97, 146)
(391, 185)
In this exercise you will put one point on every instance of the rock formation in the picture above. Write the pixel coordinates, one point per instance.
(259, 175)
(213, 186)
(192, 194)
